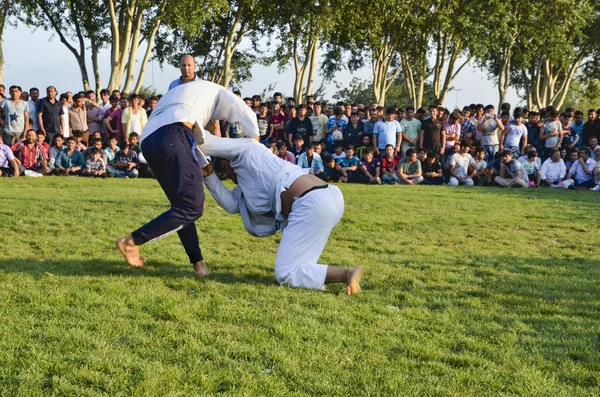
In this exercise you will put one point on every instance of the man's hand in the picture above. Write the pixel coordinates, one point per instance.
(208, 169)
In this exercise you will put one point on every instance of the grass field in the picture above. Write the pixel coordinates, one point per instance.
(468, 292)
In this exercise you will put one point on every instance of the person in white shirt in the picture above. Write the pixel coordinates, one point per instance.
(275, 195)
(514, 137)
(460, 166)
(168, 143)
(581, 173)
(553, 170)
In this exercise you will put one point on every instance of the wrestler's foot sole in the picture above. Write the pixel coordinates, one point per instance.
(200, 269)
(130, 251)
(354, 276)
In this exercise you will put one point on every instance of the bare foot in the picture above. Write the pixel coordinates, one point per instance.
(130, 251)
(200, 269)
(354, 276)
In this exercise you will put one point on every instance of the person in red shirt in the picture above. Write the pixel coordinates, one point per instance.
(41, 139)
(30, 155)
(277, 121)
(389, 166)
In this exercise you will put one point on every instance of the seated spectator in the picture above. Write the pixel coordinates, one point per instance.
(409, 169)
(581, 173)
(126, 163)
(432, 170)
(338, 152)
(348, 166)
(422, 155)
(493, 169)
(480, 166)
(370, 168)
(283, 153)
(389, 165)
(594, 145)
(70, 161)
(134, 140)
(353, 131)
(512, 173)
(311, 160)
(532, 169)
(57, 147)
(78, 136)
(9, 167)
(95, 167)
(462, 167)
(596, 173)
(31, 156)
(41, 139)
(445, 159)
(330, 173)
(298, 148)
(111, 151)
(95, 143)
(366, 143)
(573, 157)
(553, 170)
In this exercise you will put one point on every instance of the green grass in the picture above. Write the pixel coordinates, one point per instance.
(468, 292)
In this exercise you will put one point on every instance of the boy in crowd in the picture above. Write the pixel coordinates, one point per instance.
(553, 170)
(338, 152)
(57, 146)
(95, 166)
(347, 166)
(370, 168)
(70, 161)
(311, 160)
(298, 147)
(300, 126)
(409, 169)
(329, 174)
(319, 122)
(410, 131)
(480, 166)
(41, 139)
(265, 127)
(432, 171)
(462, 166)
(389, 165)
(512, 173)
(532, 168)
(354, 130)
(126, 163)
(514, 136)
(283, 153)
(134, 140)
(8, 164)
(78, 137)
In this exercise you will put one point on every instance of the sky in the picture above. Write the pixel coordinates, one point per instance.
(57, 66)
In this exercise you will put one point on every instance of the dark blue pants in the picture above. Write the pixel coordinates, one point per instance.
(172, 155)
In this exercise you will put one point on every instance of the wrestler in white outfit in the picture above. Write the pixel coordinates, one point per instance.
(262, 177)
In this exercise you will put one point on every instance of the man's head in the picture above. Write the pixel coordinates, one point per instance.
(465, 146)
(422, 156)
(58, 141)
(591, 115)
(112, 142)
(410, 113)
(555, 156)
(15, 92)
(71, 144)
(134, 138)
(354, 117)
(30, 136)
(187, 66)
(124, 102)
(518, 118)
(480, 153)
(389, 150)
(298, 141)
(96, 153)
(278, 98)
(104, 95)
(152, 102)
(505, 117)
(390, 113)
(593, 142)
(578, 117)
(368, 154)
(275, 108)
(349, 151)
(489, 110)
(51, 92)
(366, 140)
(411, 155)
(97, 143)
(256, 101)
(507, 156)
(310, 99)
(263, 110)
(34, 94)
(553, 114)
(585, 153)
(318, 108)
(134, 100)
(574, 155)
(302, 111)
(281, 147)
(78, 101)
(338, 148)
(77, 135)
(534, 117)
(433, 111)
(116, 93)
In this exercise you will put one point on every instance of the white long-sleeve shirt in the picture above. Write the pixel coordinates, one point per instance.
(553, 171)
(200, 102)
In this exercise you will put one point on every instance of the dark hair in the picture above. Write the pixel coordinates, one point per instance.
(280, 144)
(97, 140)
(433, 106)
(113, 136)
(77, 133)
(301, 106)
(390, 110)
(480, 149)
(277, 94)
(40, 132)
(264, 105)
(12, 87)
(368, 150)
(134, 135)
(104, 92)
(95, 151)
(507, 153)
(532, 153)
(465, 143)
(388, 145)
(488, 107)
(71, 139)
(587, 150)
(133, 96)
(153, 98)
(579, 113)
(298, 138)
(349, 147)
(505, 106)
(327, 158)
(410, 152)
(57, 136)
(410, 108)
(124, 145)
(505, 113)
(354, 114)
(430, 154)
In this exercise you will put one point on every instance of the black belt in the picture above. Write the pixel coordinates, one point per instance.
(314, 188)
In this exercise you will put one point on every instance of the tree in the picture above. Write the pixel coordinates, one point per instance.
(215, 42)
(361, 91)
(7, 9)
(81, 26)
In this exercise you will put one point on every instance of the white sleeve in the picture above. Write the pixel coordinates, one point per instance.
(230, 107)
(229, 200)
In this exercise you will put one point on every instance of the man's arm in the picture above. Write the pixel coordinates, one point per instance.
(227, 199)
(584, 166)
(421, 135)
(15, 165)
(106, 124)
(41, 124)
(26, 122)
(403, 176)
(524, 144)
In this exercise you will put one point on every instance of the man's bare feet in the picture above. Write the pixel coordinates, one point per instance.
(130, 251)
(354, 275)
(200, 269)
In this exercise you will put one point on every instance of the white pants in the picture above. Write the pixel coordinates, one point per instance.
(312, 218)
(454, 182)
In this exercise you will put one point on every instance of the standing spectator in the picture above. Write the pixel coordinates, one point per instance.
(551, 134)
(353, 131)
(432, 171)
(490, 127)
(512, 173)
(389, 165)
(370, 168)
(78, 116)
(577, 127)
(7, 159)
(49, 114)
(187, 66)
(152, 102)
(553, 170)
(112, 123)
(95, 114)
(300, 126)
(462, 166)
(277, 121)
(410, 131)
(133, 118)
(30, 155)
(265, 128)
(453, 130)
(33, 107)
(432, 136)
(64, 116)
(570, 137)
(16, 115)
(70, 161)
(533, 130)
(591, 128)
(335, 127)
(387, 132)
(514, 137)
(409, 169)
(319, 121)
(369, 125)
(468, 128)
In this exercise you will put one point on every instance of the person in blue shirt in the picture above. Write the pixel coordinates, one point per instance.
(347, 167)
(577, 127)
(387, 132)
(70, 161)
(187, 65)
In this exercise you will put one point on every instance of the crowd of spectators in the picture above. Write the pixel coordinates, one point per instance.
(81, 135)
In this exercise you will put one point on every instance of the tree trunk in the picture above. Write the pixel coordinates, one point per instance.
(4, 7)
(149, 48)
(313, 67)
(135, 43)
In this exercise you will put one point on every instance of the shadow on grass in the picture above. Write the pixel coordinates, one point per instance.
(106, 268)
